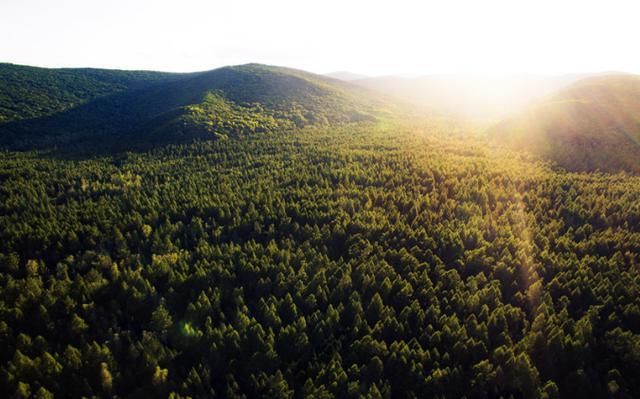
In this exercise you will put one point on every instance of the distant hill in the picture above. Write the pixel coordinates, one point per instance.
(346, 76)
(469, 96)
(29, 92)
(79, 106)
(593, 124)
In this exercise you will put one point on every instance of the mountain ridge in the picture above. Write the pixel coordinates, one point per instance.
(29, 92)
(225, 101)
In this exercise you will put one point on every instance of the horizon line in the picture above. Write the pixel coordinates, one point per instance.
(407, 75)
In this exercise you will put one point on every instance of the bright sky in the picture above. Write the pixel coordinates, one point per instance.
(370, 37)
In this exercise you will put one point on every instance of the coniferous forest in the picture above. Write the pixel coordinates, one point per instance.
(299, 238)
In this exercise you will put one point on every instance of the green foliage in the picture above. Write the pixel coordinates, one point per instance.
(322, 249)
(144, 109)
(367, 260)
(30, 92)
(220, 117)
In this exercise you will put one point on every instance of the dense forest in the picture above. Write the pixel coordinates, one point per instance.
(143, 109)
(30, 92)
(371, 257)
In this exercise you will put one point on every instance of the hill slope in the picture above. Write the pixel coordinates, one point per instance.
(594, 124)
(28, 92)
(401, 259)
(226, 101)
(469, 96)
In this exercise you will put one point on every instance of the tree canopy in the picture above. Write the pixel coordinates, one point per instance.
(369, 260)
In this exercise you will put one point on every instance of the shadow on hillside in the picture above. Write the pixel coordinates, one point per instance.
(145, 118)
(107, 125)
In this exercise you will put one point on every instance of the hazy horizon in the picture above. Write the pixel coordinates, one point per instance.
(401, 75)
(373, 39)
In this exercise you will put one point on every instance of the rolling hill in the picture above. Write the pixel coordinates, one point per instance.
(400, 258)
(85, 106)
(592, 125)
(29, 92)
(469, 97)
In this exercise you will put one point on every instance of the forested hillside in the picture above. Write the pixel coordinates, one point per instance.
(288, 235)
(29, 92)
(373, 260)
(224, 102)
(592, 125)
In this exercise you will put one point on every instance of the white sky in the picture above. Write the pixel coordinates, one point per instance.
(370, 37)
